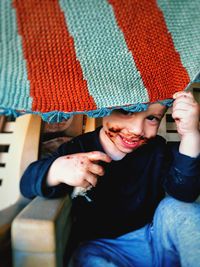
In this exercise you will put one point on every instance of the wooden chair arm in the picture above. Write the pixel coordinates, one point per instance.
(40, 233)
(7, 215)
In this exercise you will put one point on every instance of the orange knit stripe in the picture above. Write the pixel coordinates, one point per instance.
(55, 75)
(154, 55)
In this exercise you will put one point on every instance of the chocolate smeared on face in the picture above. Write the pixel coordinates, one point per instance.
(112, 130)
(124, 132)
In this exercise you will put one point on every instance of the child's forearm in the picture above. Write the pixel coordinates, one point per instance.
(190, 144)
(51, 179)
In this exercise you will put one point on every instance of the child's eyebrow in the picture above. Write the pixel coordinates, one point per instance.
(158, 114)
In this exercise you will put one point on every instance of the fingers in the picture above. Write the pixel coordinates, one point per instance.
(184, 101)
(178, 114)
(93, 168)
(182, 106)
(91, 179)
(98, 156)
(90, 161)
(96, 169)
(183, 94)
(185, 112)
(85, 184)
(184, 98)
(83, 168)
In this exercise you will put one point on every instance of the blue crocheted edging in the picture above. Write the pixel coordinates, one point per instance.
(197, 78)
(58, 116)
(193, 81)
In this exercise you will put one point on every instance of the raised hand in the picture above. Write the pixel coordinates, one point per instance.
(186, 113)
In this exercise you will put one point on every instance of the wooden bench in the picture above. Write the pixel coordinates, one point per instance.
(19, 143)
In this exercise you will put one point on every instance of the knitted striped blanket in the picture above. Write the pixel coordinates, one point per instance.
(63, 57)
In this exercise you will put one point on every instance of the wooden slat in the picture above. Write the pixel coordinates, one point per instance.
(6, 139)
(9, 127)
(4, 157)
(171, 126)
(3, 172)
(90, 125)
(173, 137)
(196, 85)
(2, 122)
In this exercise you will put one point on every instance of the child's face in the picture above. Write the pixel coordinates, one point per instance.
(123, 132)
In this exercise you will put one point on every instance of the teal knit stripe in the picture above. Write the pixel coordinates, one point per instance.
(14, 85)
(107, 64)
(183, 21)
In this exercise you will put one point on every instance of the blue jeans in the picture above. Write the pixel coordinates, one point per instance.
(172, 240)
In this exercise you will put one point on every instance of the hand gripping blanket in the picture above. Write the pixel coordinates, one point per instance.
(64, 57)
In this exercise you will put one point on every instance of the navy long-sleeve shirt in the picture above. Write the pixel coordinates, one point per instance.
(126, 197)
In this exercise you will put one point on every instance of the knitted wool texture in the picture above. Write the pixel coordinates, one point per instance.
(62, 57)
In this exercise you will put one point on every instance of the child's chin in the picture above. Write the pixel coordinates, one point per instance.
(117, 156)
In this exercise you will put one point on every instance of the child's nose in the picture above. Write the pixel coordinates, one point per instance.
(136, 127)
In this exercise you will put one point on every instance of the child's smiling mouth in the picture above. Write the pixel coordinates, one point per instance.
(131, 143)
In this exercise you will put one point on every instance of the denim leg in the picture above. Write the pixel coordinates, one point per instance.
(130, 250)
(176, 234)
(93, 254)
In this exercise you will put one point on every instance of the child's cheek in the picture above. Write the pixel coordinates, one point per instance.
(151, 134)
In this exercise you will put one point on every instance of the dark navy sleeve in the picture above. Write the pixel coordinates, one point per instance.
(33, 181)
(183, 179)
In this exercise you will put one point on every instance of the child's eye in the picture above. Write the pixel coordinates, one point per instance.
(153, 118)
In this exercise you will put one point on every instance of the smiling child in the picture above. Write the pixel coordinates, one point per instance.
(129, 221)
